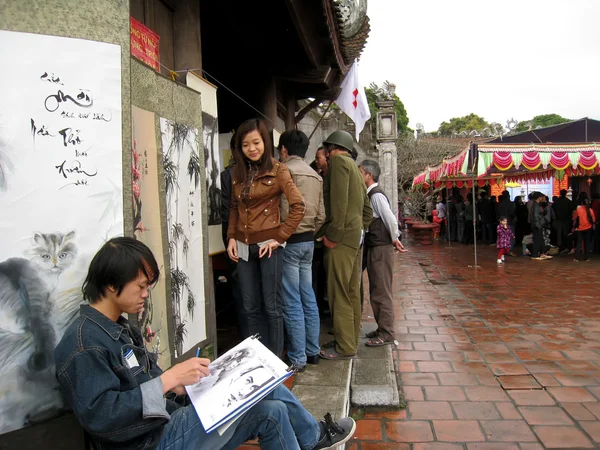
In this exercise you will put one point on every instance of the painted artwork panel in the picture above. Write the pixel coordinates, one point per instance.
(212, 158)
(61, 198)
(182, 166)
(147, 228)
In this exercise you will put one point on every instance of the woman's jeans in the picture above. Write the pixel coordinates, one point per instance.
(585, 238)
(279, 419)
(260, 284)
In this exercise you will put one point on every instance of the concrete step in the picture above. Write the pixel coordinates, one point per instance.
(324, 388)
(373, 381)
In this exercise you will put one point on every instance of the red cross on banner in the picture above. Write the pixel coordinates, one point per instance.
(353, 101)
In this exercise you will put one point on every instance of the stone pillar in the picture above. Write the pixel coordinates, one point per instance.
(387, 135)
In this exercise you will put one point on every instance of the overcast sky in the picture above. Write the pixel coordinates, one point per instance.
(498, 59)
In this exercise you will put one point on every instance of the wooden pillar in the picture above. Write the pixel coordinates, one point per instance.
(268, 103)
(186, 35)
(290, 106)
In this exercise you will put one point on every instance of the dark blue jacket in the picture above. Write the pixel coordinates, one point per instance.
(119, 405)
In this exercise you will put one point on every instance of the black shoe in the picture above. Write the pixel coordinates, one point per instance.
(335, 433)
(297, 367)
(313, 359)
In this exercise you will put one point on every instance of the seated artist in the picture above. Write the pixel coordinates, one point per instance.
(117, 391)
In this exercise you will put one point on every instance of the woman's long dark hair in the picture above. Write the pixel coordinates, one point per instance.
(265, 164)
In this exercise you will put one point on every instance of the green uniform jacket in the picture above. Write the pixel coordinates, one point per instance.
(347, 207)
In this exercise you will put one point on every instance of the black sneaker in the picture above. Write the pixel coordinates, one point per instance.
(296, 367)
(335, 433)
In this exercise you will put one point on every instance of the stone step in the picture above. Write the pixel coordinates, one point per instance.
(373, 381)
(324, 388)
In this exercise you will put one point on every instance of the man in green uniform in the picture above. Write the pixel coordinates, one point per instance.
(348, 215)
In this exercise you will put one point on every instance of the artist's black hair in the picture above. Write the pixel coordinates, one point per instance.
(116, 264)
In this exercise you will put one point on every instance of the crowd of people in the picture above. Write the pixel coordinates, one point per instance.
(538, 227)
(275, 213)
(299, 237)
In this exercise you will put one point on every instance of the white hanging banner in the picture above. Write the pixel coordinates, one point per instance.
(60, 199)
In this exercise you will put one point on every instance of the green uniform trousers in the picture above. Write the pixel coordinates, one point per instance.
(343, 266)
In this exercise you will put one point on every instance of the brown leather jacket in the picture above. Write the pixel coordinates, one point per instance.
(259, 221)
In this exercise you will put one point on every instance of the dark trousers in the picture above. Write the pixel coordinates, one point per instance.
(562, 230)
(260, 286)
(469, 232)
(343, 265)
(380, 268)
(319, 278)
(538, 242)
(487, 233)
(452, 232)
(584, 238)
(518, 234)
(461, 229)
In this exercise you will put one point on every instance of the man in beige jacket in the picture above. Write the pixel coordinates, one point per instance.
(300, 311)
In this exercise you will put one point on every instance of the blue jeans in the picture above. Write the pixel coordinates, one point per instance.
(279, 421)
(300, 311)
(260, 286)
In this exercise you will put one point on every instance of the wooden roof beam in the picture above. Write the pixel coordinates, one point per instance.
(302, 14)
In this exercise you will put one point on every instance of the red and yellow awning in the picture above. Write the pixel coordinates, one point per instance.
(453, 166)
(531, 157)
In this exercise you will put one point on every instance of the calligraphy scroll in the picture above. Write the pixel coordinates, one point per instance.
(212, 158)
(60, 200)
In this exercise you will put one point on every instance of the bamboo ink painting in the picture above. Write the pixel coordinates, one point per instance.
(61, 199)
(182, 172)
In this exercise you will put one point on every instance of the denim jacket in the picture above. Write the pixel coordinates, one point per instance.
(120, 404)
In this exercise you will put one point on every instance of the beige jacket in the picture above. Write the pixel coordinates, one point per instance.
(310, 185)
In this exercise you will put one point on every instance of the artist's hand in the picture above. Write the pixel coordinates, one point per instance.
(185, 373)
(232, 250)
(328, 243)
(398, 246)
(269, 248)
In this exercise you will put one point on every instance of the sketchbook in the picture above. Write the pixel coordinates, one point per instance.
(238, 380)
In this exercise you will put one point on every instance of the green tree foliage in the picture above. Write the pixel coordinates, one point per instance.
(401, 115)
(544, 120)
(466, 123)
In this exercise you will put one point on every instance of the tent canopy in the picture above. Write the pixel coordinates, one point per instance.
(582, 130)
(566, 149)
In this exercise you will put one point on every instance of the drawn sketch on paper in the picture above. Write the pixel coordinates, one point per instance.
(61, 199)
(212, 160)
(236, 377)
(181, 163)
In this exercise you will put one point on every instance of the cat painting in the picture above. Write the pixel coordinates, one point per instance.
(28, 329)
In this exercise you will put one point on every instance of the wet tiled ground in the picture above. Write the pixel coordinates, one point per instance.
(500, 357)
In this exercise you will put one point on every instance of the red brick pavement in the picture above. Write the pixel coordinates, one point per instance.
(503, 357)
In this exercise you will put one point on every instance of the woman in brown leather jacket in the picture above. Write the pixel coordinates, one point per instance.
(255, 233)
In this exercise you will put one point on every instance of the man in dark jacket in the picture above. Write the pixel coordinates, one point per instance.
(563, 208)
(486, 210)
(232, 279)
(538, 222)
